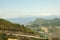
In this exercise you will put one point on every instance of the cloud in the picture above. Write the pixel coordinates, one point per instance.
(27, 12)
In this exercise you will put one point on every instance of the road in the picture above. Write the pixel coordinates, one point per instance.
(21, 35)
(26, 35)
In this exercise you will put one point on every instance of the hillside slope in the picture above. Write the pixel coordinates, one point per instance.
(44, 26)
(46, 22)
(6, 25)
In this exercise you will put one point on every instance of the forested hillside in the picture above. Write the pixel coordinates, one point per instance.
(45, 22)
(44, 26)
(6, 25)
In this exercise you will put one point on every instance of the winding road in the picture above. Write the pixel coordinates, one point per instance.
(21, 35)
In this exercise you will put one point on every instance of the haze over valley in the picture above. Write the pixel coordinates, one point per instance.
(29, 19)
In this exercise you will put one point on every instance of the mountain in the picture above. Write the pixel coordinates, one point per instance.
(46, 22)
(44, 26)
(49, 24)
(8, 26)
(16, 31)
(28, 20)
(22, 20)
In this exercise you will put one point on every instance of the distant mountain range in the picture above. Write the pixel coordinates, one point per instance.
(46, 22)
(27, 20)
(22, 20)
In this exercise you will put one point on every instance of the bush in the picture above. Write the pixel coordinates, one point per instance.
(55, 39)
(3, 36)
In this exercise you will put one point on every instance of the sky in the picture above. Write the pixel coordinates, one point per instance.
(29, 8)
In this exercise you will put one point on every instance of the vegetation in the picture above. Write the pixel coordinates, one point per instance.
(55, 38)
(46, 22)
(3, 36)
(8, 26)
(26, 38)
(49, 24)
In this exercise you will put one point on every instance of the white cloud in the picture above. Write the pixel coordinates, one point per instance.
(9, 13)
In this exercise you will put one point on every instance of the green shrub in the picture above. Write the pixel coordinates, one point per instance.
(3, 36)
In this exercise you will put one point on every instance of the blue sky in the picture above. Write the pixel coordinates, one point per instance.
(28, 8)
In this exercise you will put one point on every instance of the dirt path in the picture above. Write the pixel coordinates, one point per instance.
(12, 39)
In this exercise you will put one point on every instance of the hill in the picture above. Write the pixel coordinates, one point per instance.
(46, 22)
(44, 26)
(22, 20)
(7, 26)
(27, 20)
